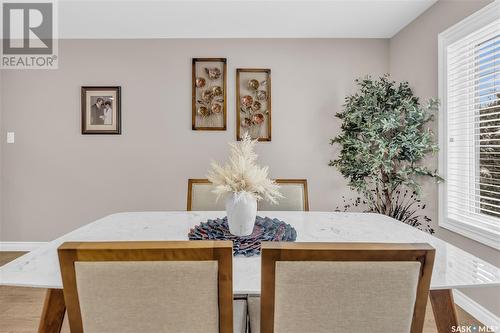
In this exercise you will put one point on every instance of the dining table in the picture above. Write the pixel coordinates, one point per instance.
(453, 268)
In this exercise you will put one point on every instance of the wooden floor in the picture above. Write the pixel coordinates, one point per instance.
(20, 307)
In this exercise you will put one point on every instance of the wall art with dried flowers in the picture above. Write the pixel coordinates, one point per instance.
(253, 103)
(209, 94)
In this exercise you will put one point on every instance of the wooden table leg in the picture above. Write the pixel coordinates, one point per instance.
(53, 312)
(444, 310)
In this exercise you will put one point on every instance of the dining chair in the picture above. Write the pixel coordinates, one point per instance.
(171, 286)
(200, 196)
(342, 287)
(295, 196)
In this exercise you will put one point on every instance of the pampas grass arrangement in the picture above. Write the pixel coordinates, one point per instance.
(242, 174)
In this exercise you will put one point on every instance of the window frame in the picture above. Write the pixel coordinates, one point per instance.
(480, 232)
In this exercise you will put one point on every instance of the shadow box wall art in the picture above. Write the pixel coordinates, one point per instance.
(209, 94)
(101, 110)
(253, 103)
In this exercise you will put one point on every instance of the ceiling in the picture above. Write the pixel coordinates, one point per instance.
(236, 19)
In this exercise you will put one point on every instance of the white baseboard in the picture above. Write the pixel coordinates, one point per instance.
(474, 309)
(20, 246)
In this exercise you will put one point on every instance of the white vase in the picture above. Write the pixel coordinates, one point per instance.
(241, 209)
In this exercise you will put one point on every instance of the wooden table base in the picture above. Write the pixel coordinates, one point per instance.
(53, 312)
(444, 310)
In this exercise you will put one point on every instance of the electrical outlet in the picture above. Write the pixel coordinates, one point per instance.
(11, 137)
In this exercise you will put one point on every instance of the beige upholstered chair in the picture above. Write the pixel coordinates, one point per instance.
(200, 196)
(295, 196)
(342, 287)
(155, 287)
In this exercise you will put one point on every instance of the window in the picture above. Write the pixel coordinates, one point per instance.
(470, 126)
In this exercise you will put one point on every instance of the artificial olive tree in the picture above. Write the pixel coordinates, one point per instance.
(384, 139)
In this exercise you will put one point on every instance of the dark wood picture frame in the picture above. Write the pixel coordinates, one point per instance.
(268, 102)
(194, 95)
(117, 91)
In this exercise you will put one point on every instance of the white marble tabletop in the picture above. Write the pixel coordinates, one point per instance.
(453, 267)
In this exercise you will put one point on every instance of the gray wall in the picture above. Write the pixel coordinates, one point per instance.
(55, 179)
(414, 57)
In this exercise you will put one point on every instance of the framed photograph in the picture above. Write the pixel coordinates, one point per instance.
(209, 94)
(101, 111)
(253, 103)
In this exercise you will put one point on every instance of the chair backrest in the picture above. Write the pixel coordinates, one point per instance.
(295, 196)
(200, 196)
(181, 286)
(344, 287)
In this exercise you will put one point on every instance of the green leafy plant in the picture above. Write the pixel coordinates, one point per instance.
(384, 139)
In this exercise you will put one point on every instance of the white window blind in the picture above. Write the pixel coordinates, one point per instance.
(473, 129)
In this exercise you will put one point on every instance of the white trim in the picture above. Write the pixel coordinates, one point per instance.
(471, 231)
(475, 309)
(20, 246)
(463, 28)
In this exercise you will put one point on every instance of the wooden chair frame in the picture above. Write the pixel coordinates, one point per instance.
(222, 251)
(191, 182)
(279, 181)
(285, 251)
(302, 182)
